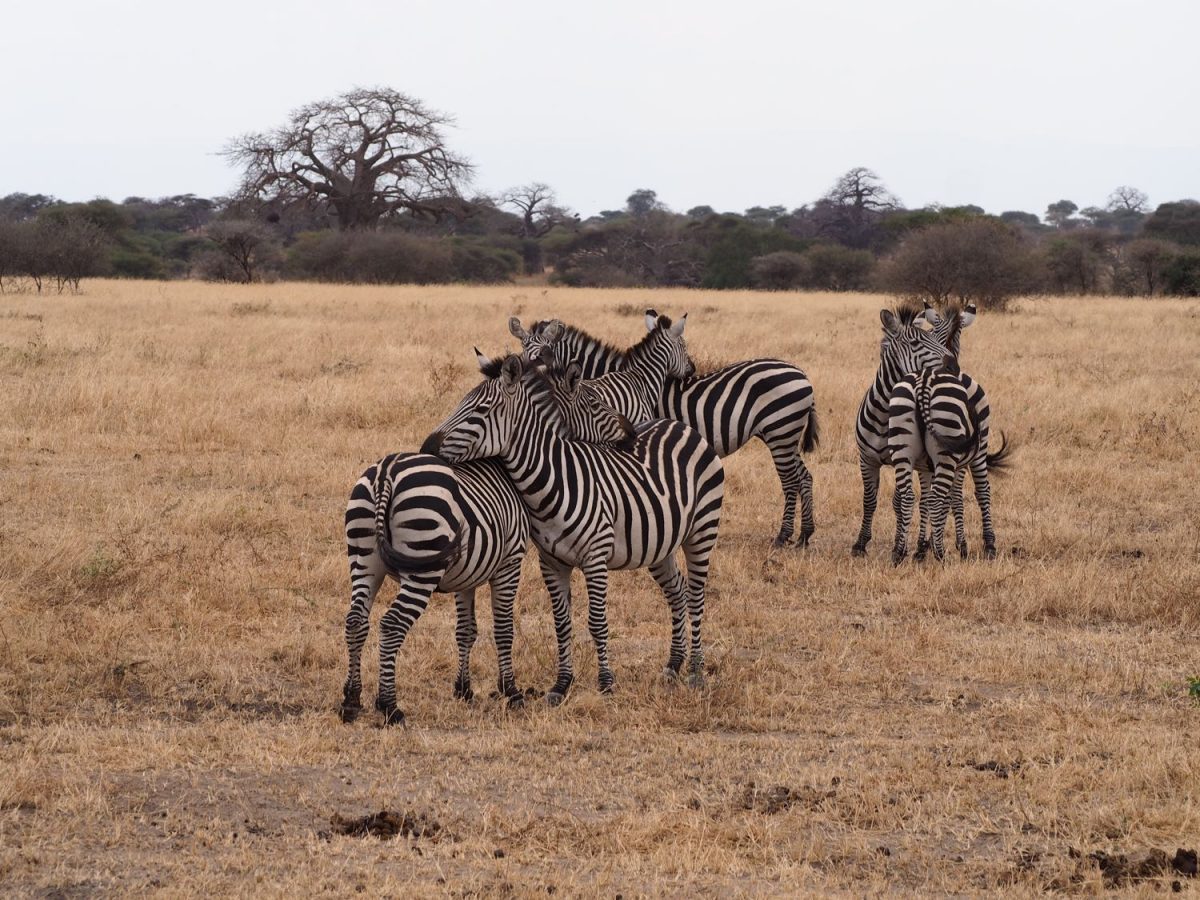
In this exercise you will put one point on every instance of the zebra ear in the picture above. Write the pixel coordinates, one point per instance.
(515, 329)
(651, 319)
(891, 324)
(510, 372)
(553, 331)
(677, 328)
(931, 314)
(572, 377)
(967, 317)
(483, 361)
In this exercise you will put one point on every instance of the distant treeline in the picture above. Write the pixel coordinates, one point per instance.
(855, 237)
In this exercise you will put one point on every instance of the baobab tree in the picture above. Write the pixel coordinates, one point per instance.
(366, 154)
(540, 214)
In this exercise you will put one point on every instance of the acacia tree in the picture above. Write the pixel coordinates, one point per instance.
(368, 153)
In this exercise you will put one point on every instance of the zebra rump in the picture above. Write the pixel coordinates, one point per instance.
(413, 472)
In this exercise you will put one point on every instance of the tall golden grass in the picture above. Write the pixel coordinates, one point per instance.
(174, 463)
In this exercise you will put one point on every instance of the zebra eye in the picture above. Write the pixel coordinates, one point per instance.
(482, 408)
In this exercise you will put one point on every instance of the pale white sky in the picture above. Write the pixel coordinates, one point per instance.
(1010, 105)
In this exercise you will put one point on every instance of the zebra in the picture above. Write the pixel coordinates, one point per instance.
(906, 347)
(635, 389)
(938, 424)
(433, 527)
(759, 398)
(596, 508)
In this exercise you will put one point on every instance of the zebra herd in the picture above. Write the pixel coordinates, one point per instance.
(611, 459)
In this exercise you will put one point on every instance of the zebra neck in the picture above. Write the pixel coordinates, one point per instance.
(649, 368)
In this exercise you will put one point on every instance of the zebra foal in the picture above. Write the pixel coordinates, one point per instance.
(596, 507)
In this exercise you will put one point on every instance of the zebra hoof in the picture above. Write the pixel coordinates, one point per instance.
(516, 701)
(858, 550)
(606, 682)
(989, 552)
(462, 691)
(349, 713)
(781, 540)
(554, 698)
(394, 716)
(962, 551)
(805, 536)
(898, 557)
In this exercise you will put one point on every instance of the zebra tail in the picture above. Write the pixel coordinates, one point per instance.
(1000, 461)
(812, 433)
(396, 561)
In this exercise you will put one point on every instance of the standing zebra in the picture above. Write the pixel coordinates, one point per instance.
(759, 398)
(596, 508)
(906, 347)
(433, 527)
(938, 424)
(634, 391)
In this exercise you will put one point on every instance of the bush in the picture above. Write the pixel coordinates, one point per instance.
(483, 264)
(1182, 275)
(833, 267)
(976, 260)
(780, 271)
(394, 257)
(1143, 266)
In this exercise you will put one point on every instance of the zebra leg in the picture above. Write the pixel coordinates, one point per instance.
(595, 574)
(558, 583)
(393, 628)
(939, 508)
(667, 574)
(366, 575)
(925, 477)
(870, 478)
(465, 633)
(983, 496)
(960, 528)
(697, 550)
(786, 455)
(807, 513)
(504, 593)
(902, 503)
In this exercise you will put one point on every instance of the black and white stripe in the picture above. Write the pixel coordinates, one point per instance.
(939, 421)
(597, 508)
(433, 527)
(907, 346)
(760, 398)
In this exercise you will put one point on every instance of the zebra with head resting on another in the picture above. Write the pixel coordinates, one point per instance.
(635, 390)
(905, 347)
(759, 398)
(596, 508)
(939, 421)
(433, 527)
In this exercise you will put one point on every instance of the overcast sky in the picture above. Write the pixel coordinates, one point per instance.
(735, 103)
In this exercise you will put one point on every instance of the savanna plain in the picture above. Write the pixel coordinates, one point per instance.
(174, 464)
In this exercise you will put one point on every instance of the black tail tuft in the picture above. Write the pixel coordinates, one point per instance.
(1000, 461)
(812, 433)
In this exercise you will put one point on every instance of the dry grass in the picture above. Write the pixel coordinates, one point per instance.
(174, 461)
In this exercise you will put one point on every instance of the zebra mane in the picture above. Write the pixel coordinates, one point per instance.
(907, 312)
(642, 347)
(954, 330)
(578, 337)
(538, 387)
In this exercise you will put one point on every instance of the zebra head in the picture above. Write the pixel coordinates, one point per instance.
(906, 346)
(538, 345)
(587, 416)
(941, 323)
(665, 339)
(482, 424)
